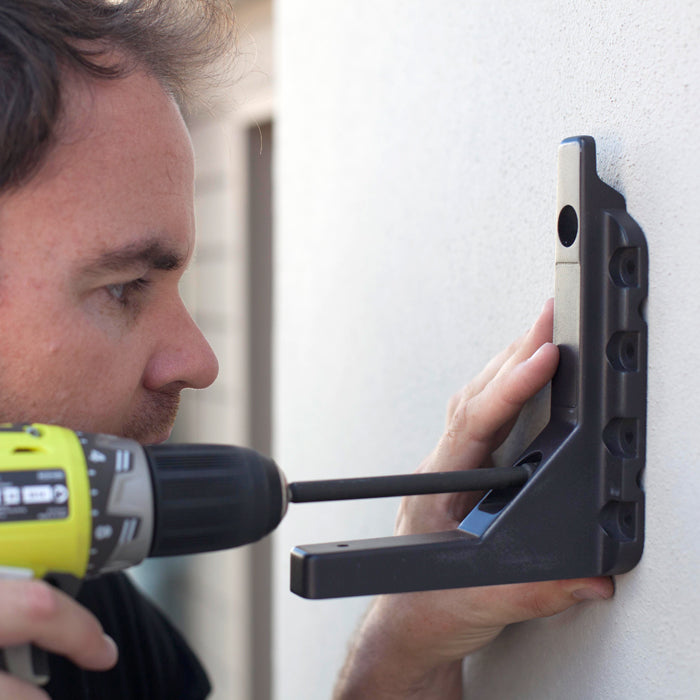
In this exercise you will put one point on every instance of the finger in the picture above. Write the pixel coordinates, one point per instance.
(34, 611)
(539, 334)
(526, 601)
(519, 350)
(482, 422)
(501, 401)
(481, 380)
(11, 687)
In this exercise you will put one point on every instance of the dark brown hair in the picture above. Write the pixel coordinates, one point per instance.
(177, 41)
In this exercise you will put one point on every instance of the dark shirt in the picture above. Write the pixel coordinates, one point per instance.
(154, 660)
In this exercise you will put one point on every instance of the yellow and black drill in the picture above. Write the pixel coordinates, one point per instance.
(75, 505)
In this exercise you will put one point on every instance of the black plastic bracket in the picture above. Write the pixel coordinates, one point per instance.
(581, 513)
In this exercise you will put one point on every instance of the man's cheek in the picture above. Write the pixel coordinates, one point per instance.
(96, 385)
(103, 358)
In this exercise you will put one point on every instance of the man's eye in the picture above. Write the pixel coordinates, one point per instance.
(124, 292)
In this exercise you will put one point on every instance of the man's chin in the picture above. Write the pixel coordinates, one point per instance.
(148, 435)
(156, 439)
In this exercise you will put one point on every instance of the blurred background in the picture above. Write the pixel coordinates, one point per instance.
(222, 601)
(376, 215)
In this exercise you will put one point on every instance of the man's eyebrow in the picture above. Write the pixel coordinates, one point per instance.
(152, 253)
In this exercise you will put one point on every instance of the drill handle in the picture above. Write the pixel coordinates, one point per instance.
(25, 661)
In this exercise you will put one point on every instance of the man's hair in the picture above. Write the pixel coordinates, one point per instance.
(176, 41)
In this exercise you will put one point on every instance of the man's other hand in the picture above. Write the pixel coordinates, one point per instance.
(411, 645)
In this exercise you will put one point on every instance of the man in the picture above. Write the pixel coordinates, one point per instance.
(96, 228)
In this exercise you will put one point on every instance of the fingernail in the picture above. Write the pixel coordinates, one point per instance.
(535, 355)
(539, 351)
(111, 650)
(588, 594)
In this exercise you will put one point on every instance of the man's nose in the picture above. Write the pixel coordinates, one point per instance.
(183, 357)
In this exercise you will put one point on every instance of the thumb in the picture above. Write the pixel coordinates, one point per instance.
(547, 598)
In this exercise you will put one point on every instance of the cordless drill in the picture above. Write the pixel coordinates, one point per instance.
(75, 505)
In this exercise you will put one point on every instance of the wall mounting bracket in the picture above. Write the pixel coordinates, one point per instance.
(581, 513)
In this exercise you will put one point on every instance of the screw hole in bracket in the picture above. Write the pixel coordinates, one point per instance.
(618, 519)
(567, 226)
(498, 499)
(623, 351)
(531, 461)
(624, 267)
(620, 437)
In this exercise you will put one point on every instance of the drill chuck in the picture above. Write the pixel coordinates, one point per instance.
(167, 500)
(210, 497)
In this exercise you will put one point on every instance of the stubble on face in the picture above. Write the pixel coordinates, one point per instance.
(149, 422)
(154, 419)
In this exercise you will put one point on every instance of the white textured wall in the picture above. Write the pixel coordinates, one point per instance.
(415, 208)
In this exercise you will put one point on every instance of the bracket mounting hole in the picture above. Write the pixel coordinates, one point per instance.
(620, 437)
(619, 520)
(623, 351)
(624, 267)
(567, 226)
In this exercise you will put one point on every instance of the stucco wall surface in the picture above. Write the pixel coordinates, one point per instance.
(415, 209)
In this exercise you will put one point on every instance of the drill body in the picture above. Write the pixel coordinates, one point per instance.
(75, 505)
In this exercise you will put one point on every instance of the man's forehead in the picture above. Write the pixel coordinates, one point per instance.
(130, 118)
(128, 126)
(118, 195)
(85, 95)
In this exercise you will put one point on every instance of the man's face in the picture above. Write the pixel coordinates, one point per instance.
(93, 333)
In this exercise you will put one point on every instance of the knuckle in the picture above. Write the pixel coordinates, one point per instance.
(544, 604)
(465, 394)
(460, 417)
(465, 425)
(40, 600)
(452, 405)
